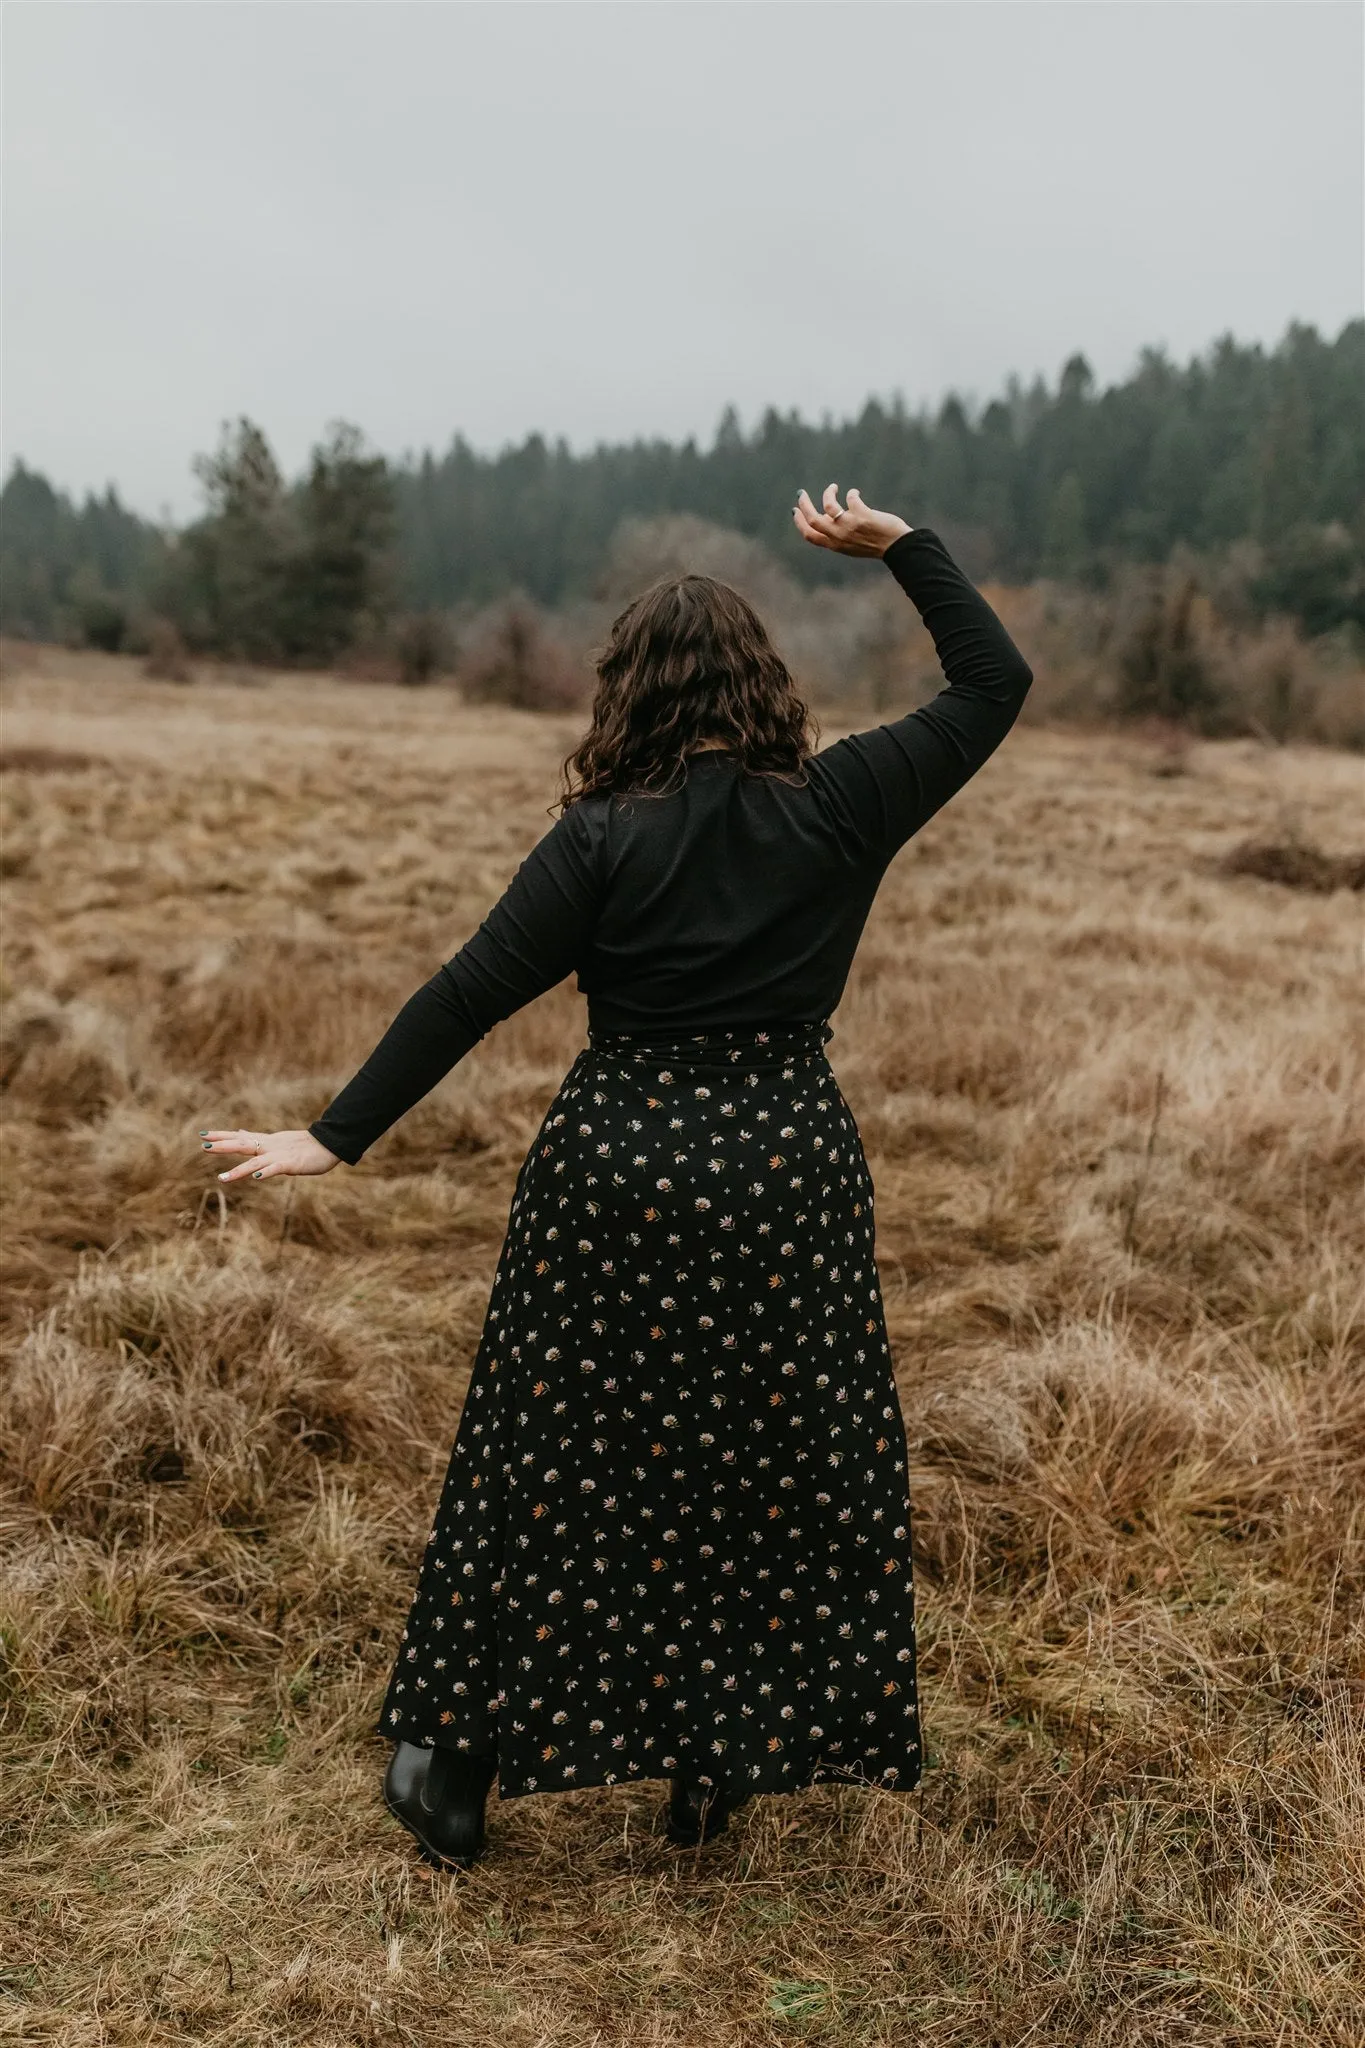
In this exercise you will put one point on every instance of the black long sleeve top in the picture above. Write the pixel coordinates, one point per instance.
(736, 900)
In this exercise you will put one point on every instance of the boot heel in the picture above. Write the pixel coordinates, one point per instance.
(698, 1813)
(439, 1795)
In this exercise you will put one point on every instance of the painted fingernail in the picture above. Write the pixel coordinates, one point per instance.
(206, 1148)
(255, 1176)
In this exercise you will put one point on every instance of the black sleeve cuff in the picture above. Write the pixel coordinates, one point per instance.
(347, 1153)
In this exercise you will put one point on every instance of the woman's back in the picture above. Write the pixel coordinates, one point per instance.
(736, 899)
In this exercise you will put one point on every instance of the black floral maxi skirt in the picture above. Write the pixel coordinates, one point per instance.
(675, 1531)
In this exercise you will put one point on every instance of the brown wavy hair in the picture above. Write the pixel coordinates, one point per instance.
(690, 660)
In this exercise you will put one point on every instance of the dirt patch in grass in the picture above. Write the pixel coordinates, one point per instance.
(43, 761)
(1297, 865)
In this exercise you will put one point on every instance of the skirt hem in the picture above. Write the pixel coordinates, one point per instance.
(907, 1780)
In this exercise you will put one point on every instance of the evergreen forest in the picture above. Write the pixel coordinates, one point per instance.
(1243, 454)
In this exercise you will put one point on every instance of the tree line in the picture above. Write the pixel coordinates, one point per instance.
(1244, 454)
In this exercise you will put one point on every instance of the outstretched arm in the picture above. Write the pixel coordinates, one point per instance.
(529, 941)
(893, 778)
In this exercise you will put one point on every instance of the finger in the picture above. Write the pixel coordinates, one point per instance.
(830, 501)
(809, 532)
(264, 1166)
(819, 520)
(242, 1172)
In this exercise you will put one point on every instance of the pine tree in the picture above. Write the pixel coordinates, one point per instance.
(1064, 536)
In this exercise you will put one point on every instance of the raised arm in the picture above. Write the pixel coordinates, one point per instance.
(532, 938)
(893, 778)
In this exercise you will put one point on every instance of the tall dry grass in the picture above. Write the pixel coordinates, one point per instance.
(1109, 1092)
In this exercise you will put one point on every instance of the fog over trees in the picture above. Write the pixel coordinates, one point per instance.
(1243, 456)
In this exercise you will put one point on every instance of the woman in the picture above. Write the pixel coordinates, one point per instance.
(675, 1533)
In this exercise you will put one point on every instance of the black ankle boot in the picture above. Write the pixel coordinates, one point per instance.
(698, 1813)
(439, 1796)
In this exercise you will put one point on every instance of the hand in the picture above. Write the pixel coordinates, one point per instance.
(271, 1152)
(852, 529)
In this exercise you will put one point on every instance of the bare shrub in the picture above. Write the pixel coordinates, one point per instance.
(424, 645)
(167, 658)
(1161, 652)
(515, 661)
(644, 551)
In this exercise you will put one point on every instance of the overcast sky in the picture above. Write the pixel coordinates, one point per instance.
(609, 220)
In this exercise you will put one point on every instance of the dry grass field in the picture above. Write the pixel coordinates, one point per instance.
(1107, 1088)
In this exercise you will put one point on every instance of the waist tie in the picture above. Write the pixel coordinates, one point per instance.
(742, 1046)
